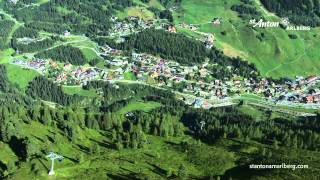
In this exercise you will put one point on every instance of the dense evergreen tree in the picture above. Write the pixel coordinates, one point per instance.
(304, 12)
(162, 43)
(40, 87)
(66, 54)
(6, 27)
(4, 82)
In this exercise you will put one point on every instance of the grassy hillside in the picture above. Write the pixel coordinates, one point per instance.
(154, 160)
(276, 55)
(19, 76)
(160, 159)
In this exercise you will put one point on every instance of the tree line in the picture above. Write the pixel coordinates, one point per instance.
(67, 54)
(246, 10)
(230, 123)
(4, 82)
(6, 27)
(168, 45)
(303, 12)
(45, 89)
(49, 18)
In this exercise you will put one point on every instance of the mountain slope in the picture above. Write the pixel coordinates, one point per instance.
(275, 55)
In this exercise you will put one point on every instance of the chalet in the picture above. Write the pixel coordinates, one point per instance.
(216, 21)
(308, 99)
(206, 105)
(203, 72)
(53, 64)
(311, 79)
(172, 29)
(197, 103)
(218, 93)
(302, 82)
(193, 27)
(67, 66)
(237, 83)
(114, 18)
(217, 82)
(208, 45)
(66, 33)
(316, 98)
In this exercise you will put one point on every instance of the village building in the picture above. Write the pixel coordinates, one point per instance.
(308, 99)
(172, 29)
(311, 79)
(216, 21)
(66, 33)
(193, 27)
(14, 1)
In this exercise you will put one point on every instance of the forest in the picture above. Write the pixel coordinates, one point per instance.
(230, 123)
(67, 54)
(6, 27)
(32, 46)
(47, 16)
(42, 88)
(160, 43)
(246, 10)
(301, 12)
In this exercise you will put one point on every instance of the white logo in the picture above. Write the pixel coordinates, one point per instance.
(264, 24)
(284, 21)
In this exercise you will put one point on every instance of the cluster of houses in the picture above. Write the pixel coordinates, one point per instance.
(68, 74)
(129, 25)
(187, 80)
(107, 51)
(191, 27)
(36, 64)
(169, 73)
(216, 21)
(303, 90)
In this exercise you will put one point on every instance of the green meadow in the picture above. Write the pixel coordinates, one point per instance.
(160, 158)
(20, 76)
(5, 55)
(72, 90)
(139, 106)
(141, 12)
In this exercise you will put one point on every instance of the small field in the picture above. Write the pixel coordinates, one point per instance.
(87, 47)
(19, 76)
(5, 55)
(129, 76)
(141, 12)
(72, 90)
(90, 54)
(143, 106)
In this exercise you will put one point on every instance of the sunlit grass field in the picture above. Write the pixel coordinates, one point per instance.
(275, 56)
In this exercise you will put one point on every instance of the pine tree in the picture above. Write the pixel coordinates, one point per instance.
(275, 144)
(182, 171)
